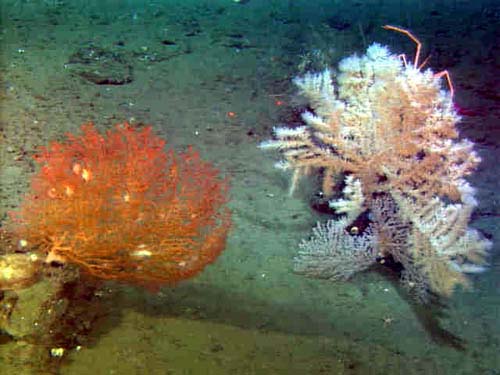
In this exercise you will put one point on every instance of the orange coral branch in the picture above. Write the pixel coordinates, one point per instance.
(122, 208)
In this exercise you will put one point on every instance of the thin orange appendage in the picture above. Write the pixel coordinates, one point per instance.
(424, 63)
(411, 36)
(403, 58)
(446, 74)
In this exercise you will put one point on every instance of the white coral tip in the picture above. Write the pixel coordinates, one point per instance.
(467, 193)
(283, 165)
(283, 132)
(350, 64)
(268, 144)
(467, 267)
(377, 51)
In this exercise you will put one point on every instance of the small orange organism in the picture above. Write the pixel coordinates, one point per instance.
(121, 207)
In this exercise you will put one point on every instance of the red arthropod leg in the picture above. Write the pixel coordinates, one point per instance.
(412, 37)
(446, 74)
(441, 74)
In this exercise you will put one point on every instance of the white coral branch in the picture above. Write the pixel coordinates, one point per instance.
(332, 253)
(352, 204)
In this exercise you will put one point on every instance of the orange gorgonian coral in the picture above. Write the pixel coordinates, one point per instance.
(121, 207)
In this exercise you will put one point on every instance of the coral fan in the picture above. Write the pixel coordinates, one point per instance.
(388, 130)
(121, 207)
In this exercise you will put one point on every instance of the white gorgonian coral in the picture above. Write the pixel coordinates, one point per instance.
(389, 130)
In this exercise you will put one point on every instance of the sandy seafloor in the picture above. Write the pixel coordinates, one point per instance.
(218, 88)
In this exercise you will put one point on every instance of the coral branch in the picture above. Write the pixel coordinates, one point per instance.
(120, 207)
(389, 130)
